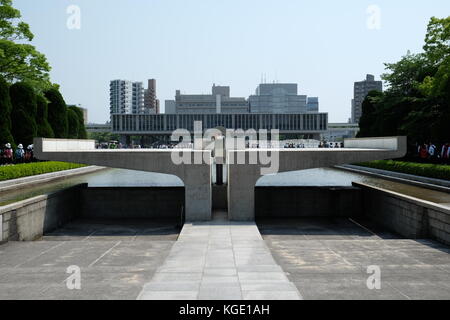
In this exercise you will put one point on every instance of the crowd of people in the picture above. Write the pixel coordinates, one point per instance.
(8, 156)
(433, 153)
(326, 144)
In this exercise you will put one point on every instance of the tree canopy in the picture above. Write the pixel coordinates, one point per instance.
(417, 101)
(5, 111)
(57, 113)
(24, 111)
(73, 124)
(19, 60)
(44, 130)
(82, 134)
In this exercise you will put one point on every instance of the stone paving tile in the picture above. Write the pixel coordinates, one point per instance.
(271, 295)
(220, 293)
(168, 295)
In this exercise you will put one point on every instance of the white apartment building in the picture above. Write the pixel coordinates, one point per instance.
(126, 97)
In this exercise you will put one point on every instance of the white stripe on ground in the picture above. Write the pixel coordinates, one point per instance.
(104, 254)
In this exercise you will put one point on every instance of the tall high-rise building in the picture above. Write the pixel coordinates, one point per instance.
(126, 97)
(151, 103)
(281, 98)
(361, 89)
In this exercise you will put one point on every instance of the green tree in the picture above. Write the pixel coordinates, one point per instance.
(82, 133)
(44, 130)
(20, 61)
(73, 124)
(417, 101)
(102, 137)
(369, 113)
(437, 40)
(405, 76)
(57, 113)
(24, 111)
(5, 114)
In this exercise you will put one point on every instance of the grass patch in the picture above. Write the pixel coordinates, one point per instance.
(437, 171)
(34, 168)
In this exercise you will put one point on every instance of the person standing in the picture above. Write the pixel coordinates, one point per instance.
(19, 154)
(8, 154)
(423, 153)
(432, 152)
(445, 153)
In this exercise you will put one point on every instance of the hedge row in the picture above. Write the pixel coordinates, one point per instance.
(35, 168)
(436, 171)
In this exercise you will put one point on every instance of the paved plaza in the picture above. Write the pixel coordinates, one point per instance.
(116, 260)
(328, 259)
(293, 259)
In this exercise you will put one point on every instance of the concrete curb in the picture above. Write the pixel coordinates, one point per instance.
(424, 182)
(46, 177)
(417, 201)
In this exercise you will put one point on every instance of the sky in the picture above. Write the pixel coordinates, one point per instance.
(324, 46)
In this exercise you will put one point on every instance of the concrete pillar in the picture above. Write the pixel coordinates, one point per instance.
(198, 193)
(241, 189)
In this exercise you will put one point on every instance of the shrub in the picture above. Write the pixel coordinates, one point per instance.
(35, 168)
(420, 169)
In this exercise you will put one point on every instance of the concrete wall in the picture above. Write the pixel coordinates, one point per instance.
(410, 217)
(123, 203)
(29, 219)
(242, 178)
(291, 202)
(389, 143)
(196, 177)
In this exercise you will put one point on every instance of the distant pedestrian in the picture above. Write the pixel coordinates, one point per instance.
(29, 154)
(19, 154)
(423, 152)
(445, 153)
(432, 152)
(8, 154)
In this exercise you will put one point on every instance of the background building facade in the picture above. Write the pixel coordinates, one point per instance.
(151, 103)
(219, 101)
(281, 98)
(361, 89)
